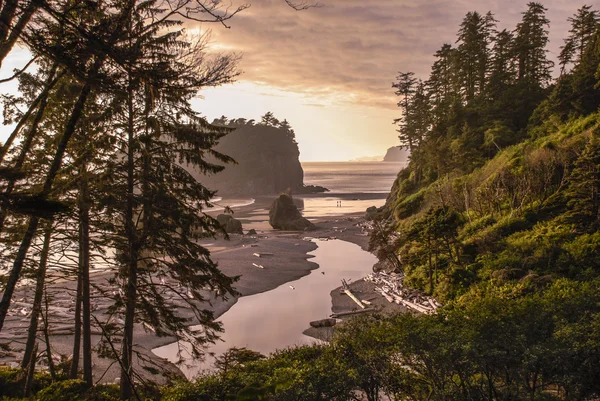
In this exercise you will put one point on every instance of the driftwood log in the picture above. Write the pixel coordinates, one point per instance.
(391, 287)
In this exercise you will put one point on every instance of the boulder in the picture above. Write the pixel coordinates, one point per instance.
(323, 323)
(251, 232)
(229, 224)
(385, 266)
(312, 189)
(371, 213)
(284, 215)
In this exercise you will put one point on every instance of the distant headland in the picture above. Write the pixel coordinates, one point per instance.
(396, 154)
(393, 154)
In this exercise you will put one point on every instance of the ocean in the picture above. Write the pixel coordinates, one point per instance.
(352, 177)
(353, 186)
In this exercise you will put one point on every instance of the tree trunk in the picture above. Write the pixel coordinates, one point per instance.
(37, 301)
(15, 272)
(84, 265)
(43, 101)
(430, 270)
(15, 33)
(77, 326)
(30, 368)
(131, 288)
(7, 14)
(47, 337)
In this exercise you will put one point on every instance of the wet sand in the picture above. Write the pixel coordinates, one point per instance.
(234, 256)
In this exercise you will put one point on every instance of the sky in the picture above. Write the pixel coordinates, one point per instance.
(329, 70)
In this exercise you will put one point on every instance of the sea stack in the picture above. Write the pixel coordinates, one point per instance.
(284, 215)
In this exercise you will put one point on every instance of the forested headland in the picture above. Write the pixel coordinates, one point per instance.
(497, 214)
(266, 158)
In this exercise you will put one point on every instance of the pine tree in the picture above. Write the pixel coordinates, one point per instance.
(158, 203)
(405, 88)
(584, 79)
(583, 26)
(503, 68)
(269, 120)
(420, 114)
(583, 193)
(474, 37)
(287, 128)
(443, 83)
(531, 38)
(93, 73)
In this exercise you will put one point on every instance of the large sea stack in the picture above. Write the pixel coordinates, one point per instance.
(266, 154)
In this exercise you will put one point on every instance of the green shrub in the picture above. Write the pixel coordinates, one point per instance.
(66, 390)
(12, 382)
(205, 388)
(103, 392)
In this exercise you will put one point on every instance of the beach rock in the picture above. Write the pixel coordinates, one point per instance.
(251, 232)
(229, 224)
(323, 323)
(371, 213)
(312, 189)
(384, 266)
(284, 215)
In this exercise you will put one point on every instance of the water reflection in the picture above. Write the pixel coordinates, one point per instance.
(276, 319)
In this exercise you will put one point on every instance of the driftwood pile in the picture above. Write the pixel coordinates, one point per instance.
(391, 287)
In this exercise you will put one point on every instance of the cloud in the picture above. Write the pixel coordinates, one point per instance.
(351, 50)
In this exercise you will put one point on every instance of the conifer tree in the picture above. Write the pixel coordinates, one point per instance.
(269, 119)
(157, 202)
(405, 88)
(443, 81)
(531, 38)
(583, 26)
(503, 68)
(584, 189)
(474, 37)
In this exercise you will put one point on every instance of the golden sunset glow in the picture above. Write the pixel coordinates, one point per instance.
(329, 70)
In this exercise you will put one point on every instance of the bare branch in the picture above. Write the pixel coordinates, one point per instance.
(193, 13)
(302, 5)
(19, 72)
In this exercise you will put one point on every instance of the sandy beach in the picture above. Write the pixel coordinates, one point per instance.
(234, 256)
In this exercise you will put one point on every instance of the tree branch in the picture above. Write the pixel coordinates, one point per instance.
(19, 72)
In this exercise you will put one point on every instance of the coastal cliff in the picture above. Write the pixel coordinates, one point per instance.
(396, 154)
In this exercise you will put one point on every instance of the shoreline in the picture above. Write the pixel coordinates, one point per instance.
(234, 256)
